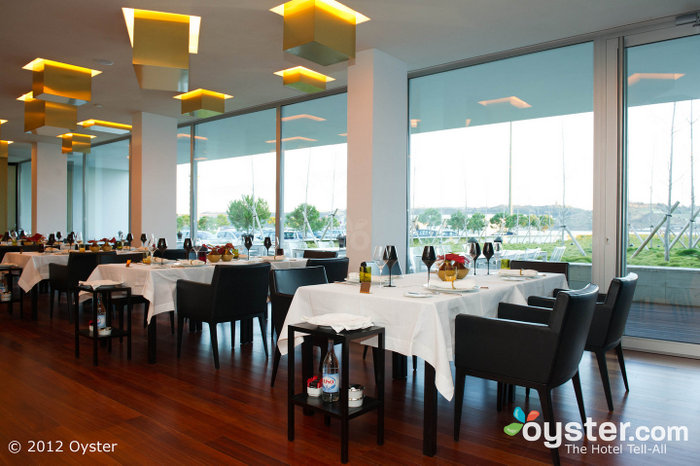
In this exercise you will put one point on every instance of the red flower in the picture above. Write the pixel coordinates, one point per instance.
(113, 240)
(453, 257)
(314, 382)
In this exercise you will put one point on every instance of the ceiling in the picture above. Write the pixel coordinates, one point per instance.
(240, 45)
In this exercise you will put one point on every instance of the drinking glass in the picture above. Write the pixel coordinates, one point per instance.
(197, 247)
(429, 259)
(248, 242)
(187, 246)
(58, 235)
(144, 240)
(162, 246)
(378, 258)
(267, 243)
(391, 258)
(129, 239)
(52, 239)
(71, 240)
(474, 252)
(488, 254)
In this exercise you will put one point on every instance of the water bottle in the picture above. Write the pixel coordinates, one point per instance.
(331, 376)
(101, 314)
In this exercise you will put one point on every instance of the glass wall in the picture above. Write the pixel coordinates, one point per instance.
(107, 190)
(74, 201)
(183, 183)
(235, 163)
(314, 147)
(24, 189)
(662, 88)
(505, 149)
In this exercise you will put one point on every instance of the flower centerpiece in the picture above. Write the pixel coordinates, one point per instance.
(456, 261)
(214, 254)
(314, 386)
(94, 247)
(35, 238)
(226, 252)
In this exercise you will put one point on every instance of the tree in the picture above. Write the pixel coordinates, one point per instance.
(205, 223)
(222, 221)
(240, 212)
(498, 220)
(477, 222)
(457, 221)
(295, 219)
(183, 221)
(546, 221)
(511, 221)
(430, 217)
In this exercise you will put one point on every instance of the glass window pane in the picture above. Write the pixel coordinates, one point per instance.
(183, 185)
(314, 143)
(662, 86)
(235, 169)
(107, 190)
(505, 149)
(24, 217)
(75, 192)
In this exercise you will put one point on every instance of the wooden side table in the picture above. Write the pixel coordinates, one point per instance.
(338, 409)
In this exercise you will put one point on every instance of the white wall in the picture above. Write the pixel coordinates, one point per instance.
(49, 187)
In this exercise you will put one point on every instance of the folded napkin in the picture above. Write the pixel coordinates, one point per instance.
(188, 263)
(95, 284)
(340, 321)
(464, 284)
(517, 273)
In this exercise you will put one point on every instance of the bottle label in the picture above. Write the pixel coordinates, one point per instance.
(330, 383)
(101, 321)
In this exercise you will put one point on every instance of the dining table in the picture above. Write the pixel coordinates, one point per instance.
(419, 320)
(157, 283)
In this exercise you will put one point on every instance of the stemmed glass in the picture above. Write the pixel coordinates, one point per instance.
(51, 240)
(197, 247)
(267, 242)
(391, 259)
(58, 236)
(429, 259)
(162, 246)
(378, 258)
(79, 239)
(71, 240)
(144, 240)
(248, 242)
(488, 254)
(187, 246)
(474, 252)
(129, 239)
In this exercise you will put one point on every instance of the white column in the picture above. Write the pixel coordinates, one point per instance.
(49, 188)
(153, 169)
(377, 155)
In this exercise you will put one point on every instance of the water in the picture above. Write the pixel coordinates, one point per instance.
(331, 376)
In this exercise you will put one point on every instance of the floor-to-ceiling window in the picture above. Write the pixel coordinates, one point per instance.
(74, 199)
(662, 84)
(183, 184)
(24, 196)
(505, 149)
(107, 190)
(235, 163)
(314, 146)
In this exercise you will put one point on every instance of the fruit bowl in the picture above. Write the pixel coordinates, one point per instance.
(214, 257)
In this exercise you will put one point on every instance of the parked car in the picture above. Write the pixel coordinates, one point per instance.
(228, 236)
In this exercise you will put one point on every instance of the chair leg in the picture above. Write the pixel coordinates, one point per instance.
(172, 322)
(576, 380)
(275, 366)
(180, 324)
(527, 393)
(364, 353)
(214, 343)
(603, 368)
(415, 363)
(499, 397)
(548, 414)
(621, 360)
(263, 326)
(459, 398)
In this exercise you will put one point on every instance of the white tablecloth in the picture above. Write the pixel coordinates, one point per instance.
(157, 283)
(417, 326)
(35, 266)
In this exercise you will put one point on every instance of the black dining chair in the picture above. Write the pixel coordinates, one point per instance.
(65, 278)
(542, 266)
(235, 293)
(283, 285)
(314, 254)
(518, 349)
(172, 254)
(608, 326)
(336, 269)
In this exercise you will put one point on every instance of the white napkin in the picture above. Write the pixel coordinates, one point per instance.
(340, 321)
(517, 273)
(464, 284)
(94, 284)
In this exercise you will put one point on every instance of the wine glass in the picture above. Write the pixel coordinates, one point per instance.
(378, 258)
(248, 242)
(52, 239)
(70, 239)
(58, 235)
(474, 252)
(162, 246)
(187, 246)
(391, 259)
(79, 239)
(429, 259)
(129, 239)
(267, 242)
(144, 239)
(488, 254)
(197, 247)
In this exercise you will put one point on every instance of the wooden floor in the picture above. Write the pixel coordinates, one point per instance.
(186, 412)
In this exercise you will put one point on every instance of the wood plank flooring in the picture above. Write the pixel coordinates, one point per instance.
(186, 412)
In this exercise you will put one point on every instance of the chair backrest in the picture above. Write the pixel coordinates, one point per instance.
(312, 253)
(619, 298)
(239, 291)
(119, 258)
(81, 265)
(171, 254)
(557, 254)
(283, 285)
(336, 269)
(571, 319)
(542, 266)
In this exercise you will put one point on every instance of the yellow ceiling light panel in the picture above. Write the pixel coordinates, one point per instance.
(60, 82)
(304, 79)
(512, 100)
(2, 122)
(75, 142)
(4, 153)
(162, 43)
(202, 103)
(48, 118)
(322, 31)
(105, 126)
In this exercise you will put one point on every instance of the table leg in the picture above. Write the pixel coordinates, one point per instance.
(399, 366)
(290, 386)
(152, 340)
(429, 412)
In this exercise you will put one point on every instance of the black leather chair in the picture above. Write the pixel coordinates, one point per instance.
(283, 285)
(65, 278)
(542, 266)
(235, 293)
(608, 325)
(173, 254)
(516, 348)
(336, 269)
(314, 254)
(114, 258)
